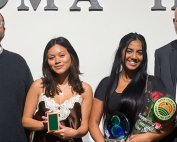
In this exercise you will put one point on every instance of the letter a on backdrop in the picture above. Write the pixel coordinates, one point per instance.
(95, 6)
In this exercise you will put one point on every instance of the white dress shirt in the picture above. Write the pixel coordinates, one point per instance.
(1, 49)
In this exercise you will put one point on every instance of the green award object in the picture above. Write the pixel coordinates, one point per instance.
(52, 122)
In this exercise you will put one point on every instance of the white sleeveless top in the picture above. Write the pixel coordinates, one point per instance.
(62, 109)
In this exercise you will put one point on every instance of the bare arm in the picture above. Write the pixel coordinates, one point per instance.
(30, 107)
(96, 115)
(86, 109)
(152, 136)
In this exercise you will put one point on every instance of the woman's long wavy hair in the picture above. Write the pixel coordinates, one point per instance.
(49, 82)
(131, 98)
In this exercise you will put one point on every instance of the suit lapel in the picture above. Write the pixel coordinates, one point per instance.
(173, 62)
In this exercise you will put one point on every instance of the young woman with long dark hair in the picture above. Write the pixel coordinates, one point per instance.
(60, 90)
(122, 91)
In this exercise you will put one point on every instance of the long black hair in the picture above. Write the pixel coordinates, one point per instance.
(131, 97)
(49, 75)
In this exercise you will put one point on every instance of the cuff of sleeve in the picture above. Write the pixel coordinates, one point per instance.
(175, 122)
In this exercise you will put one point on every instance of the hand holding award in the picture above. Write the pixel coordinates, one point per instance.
(158, 111)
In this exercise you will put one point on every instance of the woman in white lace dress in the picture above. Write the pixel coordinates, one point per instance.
(60, 90)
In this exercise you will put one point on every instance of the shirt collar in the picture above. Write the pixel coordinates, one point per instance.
(1, 50)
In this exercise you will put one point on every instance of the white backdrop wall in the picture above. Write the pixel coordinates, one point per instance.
(94, 35)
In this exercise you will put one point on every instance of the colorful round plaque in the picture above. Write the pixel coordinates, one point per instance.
(164, 108)
(118, 126)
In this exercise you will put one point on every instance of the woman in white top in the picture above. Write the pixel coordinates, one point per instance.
(60, 90)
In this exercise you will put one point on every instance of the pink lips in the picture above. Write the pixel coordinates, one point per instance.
(59, 67)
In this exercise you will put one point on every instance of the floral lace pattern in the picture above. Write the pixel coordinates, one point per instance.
(62, 109)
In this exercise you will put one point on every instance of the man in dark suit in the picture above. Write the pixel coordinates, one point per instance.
(166, 70)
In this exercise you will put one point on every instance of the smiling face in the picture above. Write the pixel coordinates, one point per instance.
(59, 59)
(175, 20)
(133, 56)
(2, 29)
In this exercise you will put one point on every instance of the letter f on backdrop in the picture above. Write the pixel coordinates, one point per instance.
(158, 5)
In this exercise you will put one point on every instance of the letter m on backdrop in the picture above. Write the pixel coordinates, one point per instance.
(35, 4)
(95, 6)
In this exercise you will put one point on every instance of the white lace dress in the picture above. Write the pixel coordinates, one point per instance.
(69, 116)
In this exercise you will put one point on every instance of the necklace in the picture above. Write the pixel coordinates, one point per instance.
(59, 89)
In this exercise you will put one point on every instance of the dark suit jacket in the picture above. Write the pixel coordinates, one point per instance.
(166, 70)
